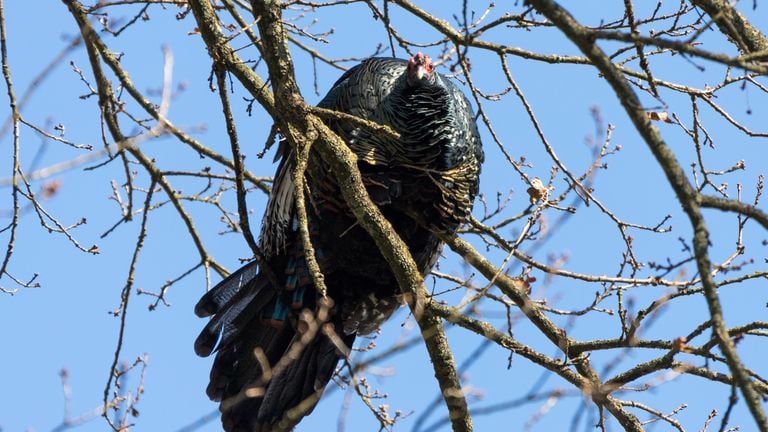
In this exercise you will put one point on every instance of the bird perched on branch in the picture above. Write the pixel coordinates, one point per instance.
(277, 340)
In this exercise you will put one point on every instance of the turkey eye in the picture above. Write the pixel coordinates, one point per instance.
(429, 67)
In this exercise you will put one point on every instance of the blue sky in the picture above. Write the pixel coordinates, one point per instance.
(66, 323)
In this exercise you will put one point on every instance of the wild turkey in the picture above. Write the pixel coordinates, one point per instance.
(425, 182)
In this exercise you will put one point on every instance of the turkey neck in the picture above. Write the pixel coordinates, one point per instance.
(421, 114)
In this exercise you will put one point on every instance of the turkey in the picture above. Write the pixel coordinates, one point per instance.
(277, 342)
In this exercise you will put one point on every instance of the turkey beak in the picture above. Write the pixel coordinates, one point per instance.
(420, 72)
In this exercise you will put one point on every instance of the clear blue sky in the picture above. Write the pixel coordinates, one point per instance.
(66, 323)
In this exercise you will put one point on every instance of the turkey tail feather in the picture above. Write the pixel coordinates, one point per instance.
(215, 299)
(254, 400)
(263, 367)
(235, 301)
(305, 377)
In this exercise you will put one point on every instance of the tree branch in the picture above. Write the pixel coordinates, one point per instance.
(685, 192)
(735, 26)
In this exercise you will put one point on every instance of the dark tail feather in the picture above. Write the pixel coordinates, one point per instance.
(237, 367)
(225, 326)
(249, 404)
(258, 374)
(245, 294)
(215, 299)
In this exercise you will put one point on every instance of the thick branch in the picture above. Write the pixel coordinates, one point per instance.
(735, 206)
(733, 24)
(489, 332)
